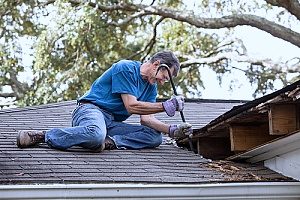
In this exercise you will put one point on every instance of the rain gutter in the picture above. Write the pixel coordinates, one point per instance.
(250, 190)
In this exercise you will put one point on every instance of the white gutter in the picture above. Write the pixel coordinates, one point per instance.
(255, 190)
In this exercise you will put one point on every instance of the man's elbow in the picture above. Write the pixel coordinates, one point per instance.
(132, 108)
(136, 107)
(130, 111)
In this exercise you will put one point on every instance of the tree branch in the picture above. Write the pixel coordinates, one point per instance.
(211, 23)
(226, 22)
(281, 67)
(129, 19)
(153, 39)
(293, 6)
(7, 94)
(151, 43)
(19, 89)
(103, 8)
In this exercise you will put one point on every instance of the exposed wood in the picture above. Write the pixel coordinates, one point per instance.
(282, 119)
(244, 117)
(214, 147)
(243, 137)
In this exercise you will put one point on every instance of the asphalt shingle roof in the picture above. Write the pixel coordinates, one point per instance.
(165, 164)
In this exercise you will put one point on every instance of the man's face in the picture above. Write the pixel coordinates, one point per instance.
(161, 76)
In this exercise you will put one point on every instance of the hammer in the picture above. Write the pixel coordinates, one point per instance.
(175, 93)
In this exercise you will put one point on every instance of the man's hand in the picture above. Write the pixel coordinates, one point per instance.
(173, 104)
(180, 131)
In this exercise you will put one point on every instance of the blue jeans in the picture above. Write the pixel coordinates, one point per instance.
(90, 126)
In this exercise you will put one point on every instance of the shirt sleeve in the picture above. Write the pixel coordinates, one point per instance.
(123, 81)
(153, 94)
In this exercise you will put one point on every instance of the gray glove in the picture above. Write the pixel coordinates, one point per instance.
(180, 131)
(173, 104)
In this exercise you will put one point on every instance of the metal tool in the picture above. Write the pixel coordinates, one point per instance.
(175, 93)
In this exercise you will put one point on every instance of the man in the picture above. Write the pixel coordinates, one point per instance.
(127, 87)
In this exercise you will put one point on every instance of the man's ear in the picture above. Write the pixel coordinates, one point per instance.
(156, 64)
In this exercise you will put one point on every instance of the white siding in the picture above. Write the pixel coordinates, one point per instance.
(287, 164)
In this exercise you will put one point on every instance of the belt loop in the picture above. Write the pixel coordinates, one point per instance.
(78, 102)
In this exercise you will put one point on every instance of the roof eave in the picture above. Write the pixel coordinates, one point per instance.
(271, 149)
(251, 190)
(238, 110)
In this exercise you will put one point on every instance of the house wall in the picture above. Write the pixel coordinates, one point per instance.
(287, 164)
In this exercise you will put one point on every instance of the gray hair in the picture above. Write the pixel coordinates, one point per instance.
(168, 58)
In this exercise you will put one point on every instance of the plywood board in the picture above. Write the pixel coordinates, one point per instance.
(243, 137)
(282, 119)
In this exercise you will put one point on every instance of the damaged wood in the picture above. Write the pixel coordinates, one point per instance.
(244, 137)
(252, 124)
(214, 147)
(282, 118)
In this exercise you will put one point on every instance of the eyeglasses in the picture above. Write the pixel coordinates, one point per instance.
(165, 74)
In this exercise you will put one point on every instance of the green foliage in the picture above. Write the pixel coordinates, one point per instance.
(74, 43)
(265, 79)
(17, 20)
(67, 62)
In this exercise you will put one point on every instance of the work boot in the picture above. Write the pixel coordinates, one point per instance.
(30, 138)
(99, 149)
(109, 144)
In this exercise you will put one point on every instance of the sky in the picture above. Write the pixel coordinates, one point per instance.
(258, 43)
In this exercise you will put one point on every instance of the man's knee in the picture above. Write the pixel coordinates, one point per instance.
(155, 137)
(158, 140)
(96, 135)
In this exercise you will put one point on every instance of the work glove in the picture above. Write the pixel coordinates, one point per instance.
(173, 104)
(180, 131)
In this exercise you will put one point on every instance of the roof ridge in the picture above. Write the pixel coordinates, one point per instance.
(199, 100)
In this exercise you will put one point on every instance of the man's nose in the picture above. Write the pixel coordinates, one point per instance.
(162, 81)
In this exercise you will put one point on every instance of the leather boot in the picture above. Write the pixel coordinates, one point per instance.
(28, 138)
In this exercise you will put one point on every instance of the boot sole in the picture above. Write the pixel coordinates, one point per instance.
(18, 140)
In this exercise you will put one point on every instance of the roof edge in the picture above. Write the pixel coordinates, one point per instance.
(63, 103)
(250, 104)
(278, 146)
(199, 100)
(252, 190)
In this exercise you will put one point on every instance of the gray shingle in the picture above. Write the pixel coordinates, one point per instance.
(165, 164)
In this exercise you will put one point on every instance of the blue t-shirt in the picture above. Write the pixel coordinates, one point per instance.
(123, 77)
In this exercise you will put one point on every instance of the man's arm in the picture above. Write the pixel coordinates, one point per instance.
(134, 106)
(146, 109)
(152, 122)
